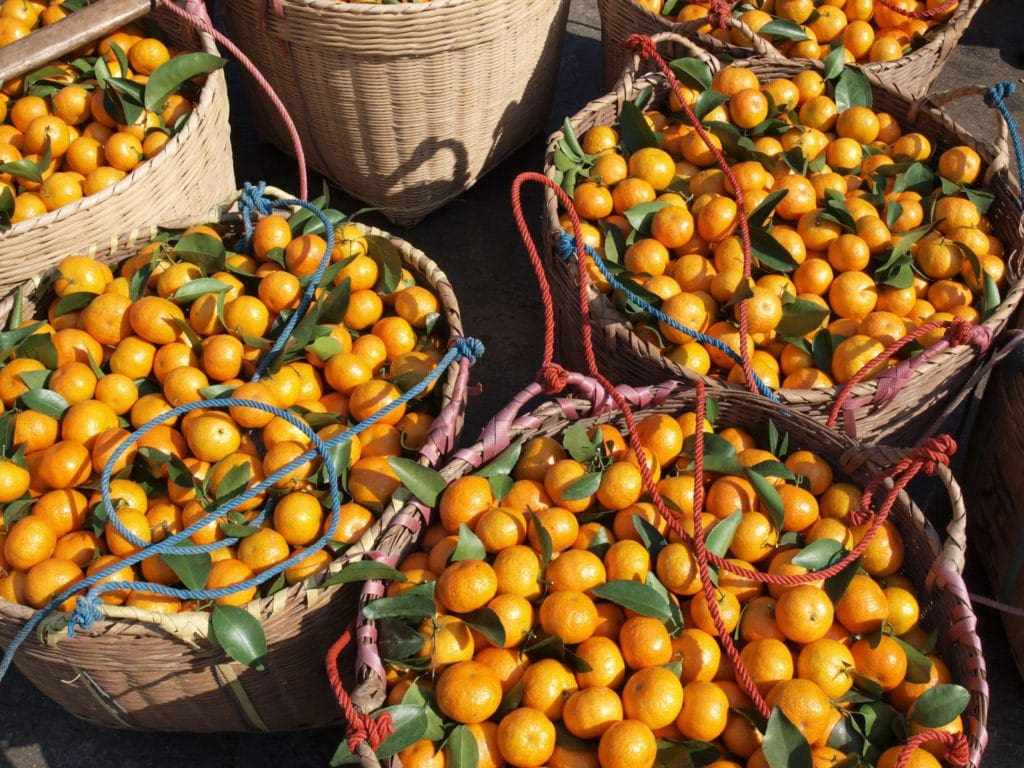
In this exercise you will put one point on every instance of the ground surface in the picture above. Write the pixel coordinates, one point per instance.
(474, 240)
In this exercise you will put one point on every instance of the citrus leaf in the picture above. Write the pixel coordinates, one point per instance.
(500, 485)
(46, 401)
(571, 141)
(364, 570)
(634, 596)
(760, 216)
(675, 622)
(73, 302)
(835, 586)
(822, 348)
(578, 444)
(544, 539)
(233, 483)
(425, 483)
(770, 252)
(800, 317)
(462, 749)
(205, 251)
(917, 177)
(719, 454)
(879, 723)
(784, 746)
(640, 215)
(239, 633)
(389, 263)
(193, 570)
(852, 90)
(982, 198)
(410, 606)
(583, 487)
(919, 666)
(486, 622)
(720, 537)
(771, 501)
(692, 73)
(834, 62)
(707, 101)
(201, 286)
(939, 705)
(634, 129)
(820, 554)
(650, 536)
(237, 530)
(784, 28)
(331, 310)
(168, 78)
(469, 547)
(504, 462)
(991, 299)
(600, 542)
(398, 642)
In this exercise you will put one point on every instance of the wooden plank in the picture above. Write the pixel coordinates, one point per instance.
(48, 43)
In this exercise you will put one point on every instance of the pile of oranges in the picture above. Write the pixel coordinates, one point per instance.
(187, 320)
(869, 31)
(568, 625)
(81, 125)
(862, 231)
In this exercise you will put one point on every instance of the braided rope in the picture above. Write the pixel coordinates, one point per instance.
(957, 750)
(361, 727)
(923, 13)
(994, 98)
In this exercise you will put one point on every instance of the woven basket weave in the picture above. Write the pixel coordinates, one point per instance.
(189, 176)
(884, 413)
(148, 671)
(934, 567)
(404, 105)
(912, 75)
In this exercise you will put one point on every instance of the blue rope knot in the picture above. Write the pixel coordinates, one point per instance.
(566, 246)
(470, 348)
(255, 200)
(998, 92)
(86, 611)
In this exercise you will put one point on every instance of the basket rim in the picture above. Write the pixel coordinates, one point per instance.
(214, 87)
(454, 389)
(608, 316)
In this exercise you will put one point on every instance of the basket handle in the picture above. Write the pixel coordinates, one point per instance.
(631, 72)
(54, 40)
(1007, 138)
(760, 45)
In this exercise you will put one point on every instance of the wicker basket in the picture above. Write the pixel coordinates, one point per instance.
(934, 567)
(911, 75)
(191, 175)
(884, 409)
(995, 485)
(148, 671)
(407, 105)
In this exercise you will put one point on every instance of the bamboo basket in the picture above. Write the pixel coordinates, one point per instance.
(995, 473)
(912, 75)
(933, 565)
(191, 175)
(140, 670)
(896, 408)
(404, 106)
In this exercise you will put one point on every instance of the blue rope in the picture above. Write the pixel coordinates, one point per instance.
(251, 203)
(994, 98)
(567, 250)
(88, 607)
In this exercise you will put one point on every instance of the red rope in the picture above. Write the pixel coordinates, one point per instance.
(924, 13)
(361, 727)
(721, 10)
(644, 46)
(958, 751)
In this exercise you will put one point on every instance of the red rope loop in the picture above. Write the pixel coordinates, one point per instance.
(959, 333)
(924, 13)
(958, 751)
(361, 727)
(721, 10)
(935, 451)
(554, 376)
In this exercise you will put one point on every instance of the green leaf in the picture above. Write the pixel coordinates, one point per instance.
(822, 347)
(410, 723)
(939, 705)
(634, 130)
(486, 622)
(397, 641)
(583, 487)
(897, 272)
(73, 302)
(707, 101)
(24, 169)
(919, 666)
(720, 537)
(234, 482)
(469, 547)
(820, 554)
(237, 530)
(639, 216)
(650, 536)
(193, 570)
(991, 299)
(389, 263)
(852, 89)
(771, 501)
(770, 252)
(982, 198)
(918, 177)
(425, 483)
(784, 746)
(461, 748)
(879, 724)
(239, 633)
(500, 485)
(365, 570)
(760, 216)
(205, 251)
(835, 586)
(544, 539)
(641, 598)
(410, 606)
(784, 28)
(800, 317)
(127, 99)
(835, 208)
(692, 73)
(332, 308)
(504, 463)
(834, 62)
(46, 401)
(168, 78)
(571, 140)
(201, 286)
(578, 444)
(719, 454)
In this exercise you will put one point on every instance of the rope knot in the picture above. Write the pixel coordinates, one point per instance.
(959, 332)
(86, 611)
(719, 12)
(566, 246)
(995, 95)
(373, 732)
(555, 377)
(640, 44)
(935, 450)
(470, 348)
(254, 199)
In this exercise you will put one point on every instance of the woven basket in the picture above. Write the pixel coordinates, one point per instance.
(881, 412)
(404, 105)
(149, 671)
(995, 475)
(191, 175)
(934, 567)
(911, 75)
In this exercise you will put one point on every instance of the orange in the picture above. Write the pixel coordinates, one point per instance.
(263, 550)
(728, 608)
(228, 573)
(499, 528)
(768, 661)
(960, 164)
(655, 166)
(705, 711)
(29, 541)
(14, 481)
(755, 537)
(805, 705)
(547, 684)
(558, 482)
(589, 712)
(155, 319)
(863, 606)
(466, 585)
(47, 579)
(605, 662)
(448, 640)
(269, 233)
(654, 696)
(526, 737)
(919, 758)
(854, 353)
(804, 613)
(536, 456)
(885, 553)
(517, 570)
(568, 614)
(627, 560)
(62, 510)
(627, 744)
(132, 520)
(576, 569)
(645, 642)
(65, 464)
(829, 663)
(885, 663)
(676, 568)
(122, 574)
